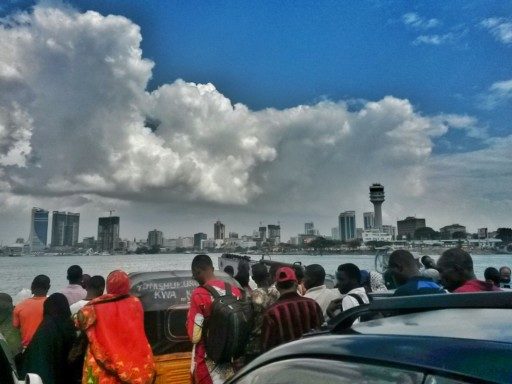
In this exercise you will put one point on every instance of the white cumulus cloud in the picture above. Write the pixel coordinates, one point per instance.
(79, 130)
(500, 28)
(498, 94)
(414, 20)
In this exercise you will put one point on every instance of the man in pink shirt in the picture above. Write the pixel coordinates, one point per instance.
(456, 269)
(28, 314)
(74, 291)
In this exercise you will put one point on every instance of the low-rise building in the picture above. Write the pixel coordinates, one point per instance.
(375, 235)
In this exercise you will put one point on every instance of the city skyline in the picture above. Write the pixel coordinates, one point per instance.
(176, 114)
(346, 230)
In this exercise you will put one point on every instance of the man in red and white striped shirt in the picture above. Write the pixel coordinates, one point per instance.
(291, 315)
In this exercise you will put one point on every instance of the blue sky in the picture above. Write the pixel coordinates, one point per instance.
(284, 53)
(444, 58)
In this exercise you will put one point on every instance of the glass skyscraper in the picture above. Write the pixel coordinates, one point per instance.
(38, 229)
(347, 225)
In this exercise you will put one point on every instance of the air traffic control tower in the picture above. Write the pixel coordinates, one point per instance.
(377, 198)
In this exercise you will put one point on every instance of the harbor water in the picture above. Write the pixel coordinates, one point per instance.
(17, 273)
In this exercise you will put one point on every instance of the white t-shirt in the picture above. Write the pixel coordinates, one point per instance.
(350, 302)
(77, 306)
(323, 296)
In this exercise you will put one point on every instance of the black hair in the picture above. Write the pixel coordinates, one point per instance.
(315, 273)
(492, 274)
(56, 305)
(75, 274)
(299, 272)
(41, 282)
(260, 273)
(285, 284)
(351, 270)
(273, 270)
(458, 256)
(229, 270)
(96, 283)
(202, 262)
(243, 274)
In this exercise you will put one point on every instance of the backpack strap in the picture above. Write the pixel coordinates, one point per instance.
(211, 290)
(215, 293)
(227, 288)
(358, 298)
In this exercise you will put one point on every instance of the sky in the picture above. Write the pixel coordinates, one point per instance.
(178, 114)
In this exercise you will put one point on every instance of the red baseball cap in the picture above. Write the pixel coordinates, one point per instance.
(285, 274)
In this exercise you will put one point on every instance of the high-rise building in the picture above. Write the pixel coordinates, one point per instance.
(155, 238)
(38, 229)
(335, 233)
(274, 233)
(108, 234)
(262, 233)
(309, 228)
(197, 239)
(409, 225)
(65, 227)
(219, 230)
(59, 220)
(72, 229)
(368, 220)
(377, 198)
(347, 225)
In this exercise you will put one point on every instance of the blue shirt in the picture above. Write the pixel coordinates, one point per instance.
(418, 285)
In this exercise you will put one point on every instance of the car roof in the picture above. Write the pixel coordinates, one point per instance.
(459, 335)
(490, 324)
(476, 359)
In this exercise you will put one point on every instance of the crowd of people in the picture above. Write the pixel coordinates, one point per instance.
(93, 330)
(81, 334)
(288, 302)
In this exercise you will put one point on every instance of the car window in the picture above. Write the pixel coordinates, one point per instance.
(432, 379)
(307, 371)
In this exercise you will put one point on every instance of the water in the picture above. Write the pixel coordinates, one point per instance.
(17, 273)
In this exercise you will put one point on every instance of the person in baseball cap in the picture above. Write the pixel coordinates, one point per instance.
(291, 312)
(285, 275)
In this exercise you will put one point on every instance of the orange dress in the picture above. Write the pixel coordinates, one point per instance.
(118, 351)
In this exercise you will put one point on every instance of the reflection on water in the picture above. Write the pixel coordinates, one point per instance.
(17, 272)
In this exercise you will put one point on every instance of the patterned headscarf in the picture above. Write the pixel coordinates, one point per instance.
(118, 283)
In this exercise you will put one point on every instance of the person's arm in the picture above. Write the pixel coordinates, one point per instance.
(195, 318)
(333, 307)
(16, 318)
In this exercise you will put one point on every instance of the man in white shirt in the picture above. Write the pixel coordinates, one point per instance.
(74, 291)
(349, 284)
(314, 279)
(95, 289)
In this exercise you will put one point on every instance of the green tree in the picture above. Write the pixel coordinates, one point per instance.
(459, 235)
(425, 233)
(321, 243)
(154, 249)
(354, 244)
(505, 234)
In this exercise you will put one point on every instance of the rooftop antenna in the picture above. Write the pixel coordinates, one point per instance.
(110, 212)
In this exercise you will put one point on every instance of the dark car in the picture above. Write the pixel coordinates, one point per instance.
(430, 339)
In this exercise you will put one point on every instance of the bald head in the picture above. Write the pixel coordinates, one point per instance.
(403, 266)
(455, 267)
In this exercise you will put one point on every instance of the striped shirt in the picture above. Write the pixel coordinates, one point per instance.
(288, 319)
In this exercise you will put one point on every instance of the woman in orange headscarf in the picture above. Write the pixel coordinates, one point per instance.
(118, 350)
